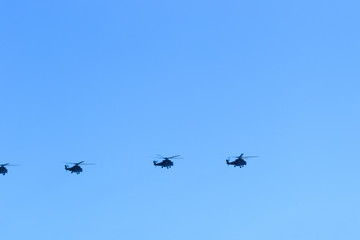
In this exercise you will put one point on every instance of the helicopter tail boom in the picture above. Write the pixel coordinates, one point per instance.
(66, 167)
(227, 162)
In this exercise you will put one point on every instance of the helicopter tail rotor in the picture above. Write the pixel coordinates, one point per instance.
(227, 162)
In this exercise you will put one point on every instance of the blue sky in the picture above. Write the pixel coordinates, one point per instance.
(116, 82)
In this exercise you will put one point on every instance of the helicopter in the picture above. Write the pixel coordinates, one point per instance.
(166, 162)
(239, 161)
(3, 169)
(76, 168)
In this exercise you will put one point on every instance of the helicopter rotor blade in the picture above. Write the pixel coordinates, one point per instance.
(176, 156)
(79, 163)
(250, 157)
(159, 156)
(75, 163)
(9, 165)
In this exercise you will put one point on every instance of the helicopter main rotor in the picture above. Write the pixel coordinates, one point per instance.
(80, 163)
(9, 165)
(242, 156)
(167, 158)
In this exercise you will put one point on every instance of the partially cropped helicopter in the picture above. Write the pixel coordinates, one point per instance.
(76, 168)
(166, 162)
(239, 161)
(3, 169)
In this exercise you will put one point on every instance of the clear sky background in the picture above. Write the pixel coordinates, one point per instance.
(116, 82)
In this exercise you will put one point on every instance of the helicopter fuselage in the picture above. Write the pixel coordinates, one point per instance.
(3, 170)
(166, 163)
(237, 163)
(75, 169)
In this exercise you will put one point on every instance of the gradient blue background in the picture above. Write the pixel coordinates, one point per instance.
(116, 82)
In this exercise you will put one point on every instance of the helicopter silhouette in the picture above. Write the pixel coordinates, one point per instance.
(76, 168)
(239, 161)
(3, 169)
(166, 162)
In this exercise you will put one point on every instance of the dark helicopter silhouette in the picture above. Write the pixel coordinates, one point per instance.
(239, 161)
(166, 162)
(76, 168)
(3, 169)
